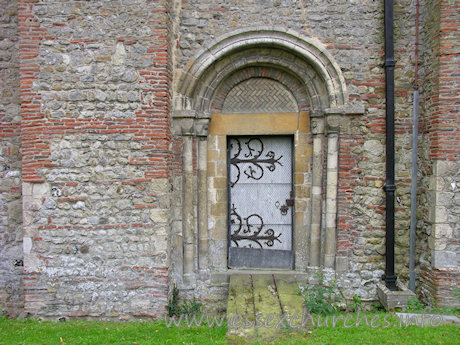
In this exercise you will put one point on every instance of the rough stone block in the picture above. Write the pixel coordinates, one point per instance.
(444, 259)
(441, 214)
(41, 189)
(373, 147)
(442, 230)
(393, 299)
(437, 244)
(159, 215)
(160, 186)
(341, 263)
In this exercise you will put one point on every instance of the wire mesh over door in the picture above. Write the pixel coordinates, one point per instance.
(261, 202)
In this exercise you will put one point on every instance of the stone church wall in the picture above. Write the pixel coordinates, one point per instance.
(11, 295)
(439, 211)
(95, 81)
(352, 31)
(93, 189)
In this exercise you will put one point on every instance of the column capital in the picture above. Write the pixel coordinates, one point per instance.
(333, 123)
(317, 125)
(337, 118)
(190, 126)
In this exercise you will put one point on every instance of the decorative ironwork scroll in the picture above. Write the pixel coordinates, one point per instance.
(246, 232)
(254, 157)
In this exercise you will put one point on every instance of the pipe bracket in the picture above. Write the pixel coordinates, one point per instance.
(389, 188)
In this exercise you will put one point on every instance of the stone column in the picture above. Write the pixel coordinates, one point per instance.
(192, 241)
(217, 202)
(182, 208)
(331, 199)
(337, 121)
(188, 212)
(317, 173)
(202, 206)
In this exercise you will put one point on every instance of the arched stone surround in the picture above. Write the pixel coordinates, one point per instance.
(307, 56)
(309, 72)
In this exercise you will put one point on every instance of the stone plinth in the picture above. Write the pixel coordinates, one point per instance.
(393, 299)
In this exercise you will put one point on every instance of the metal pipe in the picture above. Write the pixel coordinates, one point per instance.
(390, 187)
(413, 197)
(417, 6)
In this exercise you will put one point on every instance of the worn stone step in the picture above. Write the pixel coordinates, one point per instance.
(240, 302)
(258, 301)
(290, 300)
(267, 304)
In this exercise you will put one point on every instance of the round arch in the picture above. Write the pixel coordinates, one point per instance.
(304, 59)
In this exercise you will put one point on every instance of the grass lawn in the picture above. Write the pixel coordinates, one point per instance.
(447, 334)
(86, 332)
(32, 332)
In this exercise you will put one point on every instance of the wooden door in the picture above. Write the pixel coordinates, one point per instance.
(260, 202)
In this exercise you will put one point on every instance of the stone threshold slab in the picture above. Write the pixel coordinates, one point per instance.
(260, 299)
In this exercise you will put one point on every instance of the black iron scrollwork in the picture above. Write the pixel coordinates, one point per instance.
(246, 231)
(253, 157)
(284, 208)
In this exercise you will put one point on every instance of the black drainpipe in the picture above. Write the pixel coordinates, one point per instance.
(390, 187)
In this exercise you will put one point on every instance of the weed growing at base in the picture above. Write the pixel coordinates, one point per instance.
(188, 307)
(321, 298)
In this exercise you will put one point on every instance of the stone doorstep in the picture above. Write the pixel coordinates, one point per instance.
(225, 275)
(271, 271)
(269, 295)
